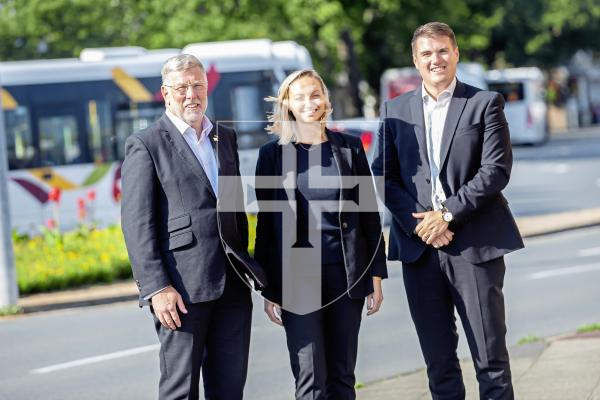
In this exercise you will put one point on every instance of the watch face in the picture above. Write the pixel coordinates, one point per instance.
(447, 216)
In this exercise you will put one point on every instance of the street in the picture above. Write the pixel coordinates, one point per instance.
(562, 175)
(110, 352)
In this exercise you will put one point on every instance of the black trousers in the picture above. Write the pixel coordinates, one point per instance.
(323, 345)
(437, 284)
(214, 338)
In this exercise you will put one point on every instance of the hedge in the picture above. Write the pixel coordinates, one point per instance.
(55, 261)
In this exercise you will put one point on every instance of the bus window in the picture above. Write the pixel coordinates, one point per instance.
(19, 139)
(238, 100)
(100, 128)
(132, 117)
(248, 115)
(511, 91)
(59, 140)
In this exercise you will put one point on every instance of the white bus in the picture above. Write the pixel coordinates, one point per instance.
(67, 119)
(525, 108)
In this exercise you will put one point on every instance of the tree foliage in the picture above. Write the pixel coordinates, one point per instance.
(373, 34)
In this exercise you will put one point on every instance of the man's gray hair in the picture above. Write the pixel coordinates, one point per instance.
(181, 62)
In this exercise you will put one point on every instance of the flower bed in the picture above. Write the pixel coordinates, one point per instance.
(57, 261)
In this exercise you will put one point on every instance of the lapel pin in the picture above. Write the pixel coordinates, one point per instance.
(215, 138)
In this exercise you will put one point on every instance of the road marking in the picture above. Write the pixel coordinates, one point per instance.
(594, 251)
(565, 271)
(95, 359)
(559, 169)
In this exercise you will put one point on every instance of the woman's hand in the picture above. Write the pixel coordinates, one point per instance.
(375, 299)
(273, 312)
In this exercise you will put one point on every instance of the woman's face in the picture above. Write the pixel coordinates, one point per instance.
(307, 100)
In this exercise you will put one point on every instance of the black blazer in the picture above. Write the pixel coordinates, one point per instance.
(362, 239)
(169, 213)
(476, 161)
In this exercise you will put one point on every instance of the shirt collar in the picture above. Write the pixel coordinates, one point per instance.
(445, 94)
(183, 126)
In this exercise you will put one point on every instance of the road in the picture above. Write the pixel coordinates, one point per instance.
(562, 175)
(110, 352)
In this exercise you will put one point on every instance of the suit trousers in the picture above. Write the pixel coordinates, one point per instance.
(323, 345)
(437, 284)
(214, 338)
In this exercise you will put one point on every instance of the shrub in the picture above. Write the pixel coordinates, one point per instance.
(55, 261)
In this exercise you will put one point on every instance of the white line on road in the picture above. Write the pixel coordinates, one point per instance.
(560, 169)
(95, 359)
(565, 271)
(594, 251)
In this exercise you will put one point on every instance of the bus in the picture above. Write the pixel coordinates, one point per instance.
(66, 120)
(525, 108)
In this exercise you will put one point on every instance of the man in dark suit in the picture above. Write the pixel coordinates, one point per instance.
(176, 240)
(444, 152)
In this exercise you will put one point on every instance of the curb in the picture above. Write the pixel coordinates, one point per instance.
(539, 225)
(82, 297)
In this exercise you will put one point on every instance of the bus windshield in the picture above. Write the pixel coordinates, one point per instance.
(83, 122)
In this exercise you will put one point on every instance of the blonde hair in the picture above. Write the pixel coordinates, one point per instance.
(283, 122)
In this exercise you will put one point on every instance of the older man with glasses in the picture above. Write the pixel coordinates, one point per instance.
(175, 238)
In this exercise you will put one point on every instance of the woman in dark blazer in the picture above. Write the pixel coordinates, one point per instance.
(318, 237)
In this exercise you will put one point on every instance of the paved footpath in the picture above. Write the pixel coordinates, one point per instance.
(561, 368)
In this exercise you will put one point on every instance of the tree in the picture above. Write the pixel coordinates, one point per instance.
(349, 40)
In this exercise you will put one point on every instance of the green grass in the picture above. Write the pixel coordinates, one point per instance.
(11, 310)
(589, 328)
(528, 339)
(359, 385)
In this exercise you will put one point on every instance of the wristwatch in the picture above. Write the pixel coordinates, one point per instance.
(447, 215)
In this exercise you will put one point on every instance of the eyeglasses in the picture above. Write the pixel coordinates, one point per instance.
(182, 89)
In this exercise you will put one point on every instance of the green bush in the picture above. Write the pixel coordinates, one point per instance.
(56, 261)
(251, 232)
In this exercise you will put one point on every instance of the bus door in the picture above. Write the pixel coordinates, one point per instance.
(60, 132)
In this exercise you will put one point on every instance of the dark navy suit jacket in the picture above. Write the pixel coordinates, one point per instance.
(362, 239)
(476, 162)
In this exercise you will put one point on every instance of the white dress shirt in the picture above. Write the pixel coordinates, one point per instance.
(435, 112)
(202, 148)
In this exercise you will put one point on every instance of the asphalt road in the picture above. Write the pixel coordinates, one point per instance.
(562, 175)
(110, 352)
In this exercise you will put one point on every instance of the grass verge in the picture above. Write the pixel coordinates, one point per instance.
(528, 339)
(589, 328)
